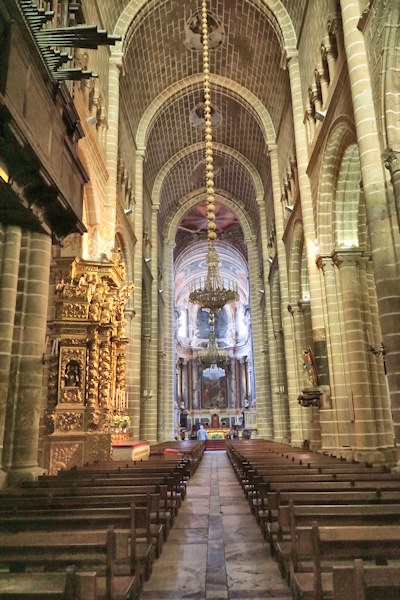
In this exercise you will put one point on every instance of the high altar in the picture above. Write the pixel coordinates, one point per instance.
(86, 360)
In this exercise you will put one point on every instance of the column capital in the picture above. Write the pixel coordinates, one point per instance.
(116, 59)
(294, 308)
(391, 159)
(347, 257)
(290, 54)
(140, 152)
(323, 261)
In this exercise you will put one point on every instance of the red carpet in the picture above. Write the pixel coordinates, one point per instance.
(215, 445)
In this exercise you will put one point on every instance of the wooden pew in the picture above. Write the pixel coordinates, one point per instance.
(283, 542)
(323, 547)
(71, 518)
(67, 585)
(287, 478)
(107, 552)
(265, 504)
(176, 492)
(92, 494)
(360, 581)
(11, 501)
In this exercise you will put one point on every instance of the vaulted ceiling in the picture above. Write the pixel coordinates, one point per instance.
(162, 92)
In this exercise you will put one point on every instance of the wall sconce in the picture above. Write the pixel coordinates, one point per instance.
(262, 291)
(270, 260)
(128, 211)
(147, 260)
(289, 207)
(160, 291)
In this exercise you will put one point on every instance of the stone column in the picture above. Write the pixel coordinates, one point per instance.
(335, 423)
(109, 213)
(376, 357)
(196, 384)
(10, 239)
(378, 219)
(185, 386)
(146, 391)
(136, 324)
(281, 320)
(305, 414)
(242, 367)
(167, 347)
(24, 403)
(307, 210)
(363, 425)
(262, 384)
(151, 434)
(267, 325)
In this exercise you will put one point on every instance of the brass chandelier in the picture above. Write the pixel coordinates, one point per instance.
(212, 355)
(210, 292)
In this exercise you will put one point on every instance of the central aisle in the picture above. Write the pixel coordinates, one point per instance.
(215, 550)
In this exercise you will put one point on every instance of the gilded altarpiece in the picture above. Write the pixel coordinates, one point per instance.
(86, 362)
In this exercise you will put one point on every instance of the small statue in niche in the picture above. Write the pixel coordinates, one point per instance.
(72, 377)
(310, 369)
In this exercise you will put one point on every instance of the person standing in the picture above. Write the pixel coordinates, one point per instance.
(202, 434)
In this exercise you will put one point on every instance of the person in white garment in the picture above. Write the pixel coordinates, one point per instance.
(202, 433)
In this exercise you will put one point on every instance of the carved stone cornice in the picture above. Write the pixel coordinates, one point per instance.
(347, 257)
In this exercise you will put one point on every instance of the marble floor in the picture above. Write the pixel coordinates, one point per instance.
(215, 550)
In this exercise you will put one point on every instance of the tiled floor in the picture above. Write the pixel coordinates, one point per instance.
(215, 550)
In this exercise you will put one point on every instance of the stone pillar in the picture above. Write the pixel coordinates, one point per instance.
(167, 347)
(151, 434)
(281, 320)
(185, 381)
(109, 213)
(299, 342)
(307, 210)
(10, 239)
(146, 391)
(262, 385)
(376, 357)
(335, 423)
(267, 325)
(196, 385)
(136, 324)
(24, 403)
(363, 425)
(378, 219)
(243, 381)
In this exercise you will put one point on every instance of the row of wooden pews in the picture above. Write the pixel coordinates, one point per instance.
(333, 525)
(93, 532)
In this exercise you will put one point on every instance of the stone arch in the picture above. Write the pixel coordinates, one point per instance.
(274, 8)
(252, 103)
(331, 225)
(196, 197)
(218, 148)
